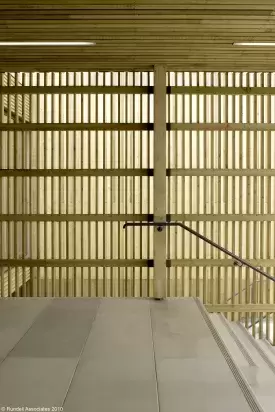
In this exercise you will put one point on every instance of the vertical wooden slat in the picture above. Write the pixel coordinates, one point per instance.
(219, 194)
(268, 202)
(112, 190)
(255, 207)
(89, 187)
(33, 271)
(9, 190)
(242, 204)
(169, 187)
(248, 225)
(66, 136)
(47, 182)
(196, 160)
(235, 269)
(15, 205)
(226, 197)
(61, 199)
(104, 237)
(211, 191)
(82, 188)
(205, 271)
(261, 301)
(24, 191)
(97, 188)
(2, 269)
(133, 164)
(126, 199)
(190, 197)
(119, 236)
(53, 193)
(47, 137)
(261, 240)
(135, 158)
(273, 339)
(140, 183)
(148, 149)
(182, 203)
(75, 136)
(175, 165)
(38, 180)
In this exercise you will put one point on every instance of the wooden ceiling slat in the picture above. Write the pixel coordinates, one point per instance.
(130, 4)
(131, 20)
(131, 34)
(142, 14)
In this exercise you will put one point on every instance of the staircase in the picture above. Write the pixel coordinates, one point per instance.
(255, 359)
(135, 355)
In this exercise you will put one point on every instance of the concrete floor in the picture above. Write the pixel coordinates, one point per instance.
(116, 355)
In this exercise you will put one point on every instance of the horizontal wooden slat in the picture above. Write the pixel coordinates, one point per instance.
(76, 90)
(137, 126)
(223, 90)
(220, 172)
(132, 172)
(224, 218)
(219, 262)
(136, 90)
(127, 262)
(75, 126)
(250, 308)
(140, 5)
(134, 218)
(226, 127)
(76, 218)
(75, 262)
(75, 172)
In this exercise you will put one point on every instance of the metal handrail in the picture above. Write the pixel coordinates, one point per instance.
(243, 290)
(161, 225)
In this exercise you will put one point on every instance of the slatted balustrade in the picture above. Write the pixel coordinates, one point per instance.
(77, 161)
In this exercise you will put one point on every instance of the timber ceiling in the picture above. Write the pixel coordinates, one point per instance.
(186, 35)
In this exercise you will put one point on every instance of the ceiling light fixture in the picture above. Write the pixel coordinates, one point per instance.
(259, 44)
(47, 43)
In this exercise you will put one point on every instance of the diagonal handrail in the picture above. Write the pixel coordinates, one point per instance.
(243, 290)
(161, 225)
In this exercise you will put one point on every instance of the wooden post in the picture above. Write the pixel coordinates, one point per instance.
(160, 181)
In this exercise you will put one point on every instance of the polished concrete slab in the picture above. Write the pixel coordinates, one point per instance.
(114, 355)
(191, 370)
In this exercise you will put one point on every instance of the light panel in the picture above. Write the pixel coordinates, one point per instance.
(255, 44)
(47, 43)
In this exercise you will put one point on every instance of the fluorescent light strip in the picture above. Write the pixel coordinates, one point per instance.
(257, 44)
(47, 43)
